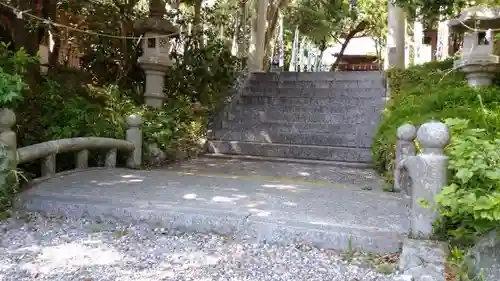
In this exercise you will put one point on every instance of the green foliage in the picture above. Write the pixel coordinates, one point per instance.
(432, 11)
(175, 128)
(431, 91)
(13, 66)
(93, 101)
(459, 265)
(326, 22)
(64, 107)
(67, 104)
(203, 74)
(10, 178)
(470, 204)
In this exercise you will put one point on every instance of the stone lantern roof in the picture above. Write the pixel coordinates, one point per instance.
(155, 22)
(480, 17)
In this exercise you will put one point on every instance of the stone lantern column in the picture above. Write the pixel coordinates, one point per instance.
(155, 60)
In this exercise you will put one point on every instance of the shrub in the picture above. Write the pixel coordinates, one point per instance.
(13, 68)
(426, 92)
(470, 204)
(70, 103)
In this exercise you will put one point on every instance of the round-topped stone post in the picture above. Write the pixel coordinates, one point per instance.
(428, 172)
(7, 136)
(155, 59)
(134, 135)
(404, 147)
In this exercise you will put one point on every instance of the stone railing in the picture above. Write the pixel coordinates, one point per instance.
(421, 175)
(47, 151)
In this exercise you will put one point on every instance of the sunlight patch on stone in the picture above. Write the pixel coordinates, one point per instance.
(259, 213)
(279, 186)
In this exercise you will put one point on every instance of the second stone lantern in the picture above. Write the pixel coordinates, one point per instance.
(479, 54)
(155, 60)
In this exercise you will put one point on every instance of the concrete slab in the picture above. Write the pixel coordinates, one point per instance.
(424, 259)
(325, 213)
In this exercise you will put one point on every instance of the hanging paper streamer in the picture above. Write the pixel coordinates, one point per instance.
(295, 45)
(309, 56)
(302, 57)
(234, 43)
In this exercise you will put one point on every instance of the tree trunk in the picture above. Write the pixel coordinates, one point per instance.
(242, 28)
(28, 39)
(272, 17)
(322, 48)
(360, 27)
(197, 27)
(257, 47)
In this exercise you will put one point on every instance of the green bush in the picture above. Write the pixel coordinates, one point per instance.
(13, 68)
(71, 103)
(470, 204)
(431, 92)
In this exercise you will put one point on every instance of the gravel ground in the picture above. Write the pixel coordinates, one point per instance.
(37, 247)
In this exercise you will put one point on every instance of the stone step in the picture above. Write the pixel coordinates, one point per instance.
(300, 127)
(327, 85)
(322, 139)
(307, 108)
(314, 92)
(313, 152)
(310, 101)
(315, 76)
(232, 157)
(337, 114)
(259, 203)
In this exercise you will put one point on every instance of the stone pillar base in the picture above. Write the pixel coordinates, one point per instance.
(155, 102)
(478, 72)
(478, 79)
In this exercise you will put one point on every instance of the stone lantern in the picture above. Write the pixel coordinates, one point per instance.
(155, 59)
(478, 55)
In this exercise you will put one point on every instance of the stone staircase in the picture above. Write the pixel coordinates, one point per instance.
(329, 116)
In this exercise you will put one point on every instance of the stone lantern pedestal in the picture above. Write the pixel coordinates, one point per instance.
(479, 57)
(479, 71)
(156, 51)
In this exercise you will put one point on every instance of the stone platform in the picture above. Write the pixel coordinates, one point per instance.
(326, 206)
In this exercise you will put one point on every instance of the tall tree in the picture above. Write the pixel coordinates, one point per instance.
(265, 15)
(325, 22)
(430, 11)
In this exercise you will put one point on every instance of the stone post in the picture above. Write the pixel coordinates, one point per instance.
(134, 135)
(404, 147)
(7, 135)
(395, 37)
(428, 171)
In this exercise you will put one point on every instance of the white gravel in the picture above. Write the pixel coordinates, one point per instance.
(36, 247)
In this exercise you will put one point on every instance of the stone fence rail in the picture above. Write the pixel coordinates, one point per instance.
(47, 151)
(422, 175)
